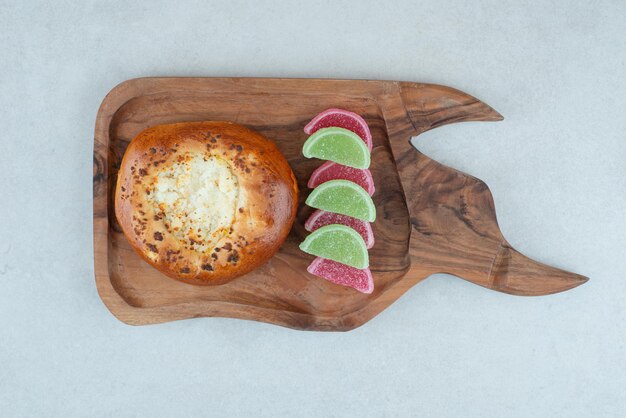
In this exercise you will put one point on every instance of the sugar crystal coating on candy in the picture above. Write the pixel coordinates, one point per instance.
(333, 171)
(359, 279)
(343, 119)
(320, 218)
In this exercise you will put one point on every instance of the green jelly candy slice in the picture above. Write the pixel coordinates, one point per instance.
(344, 197)
(339, 145)
(339, 243)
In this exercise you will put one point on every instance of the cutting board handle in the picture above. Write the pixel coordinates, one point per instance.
(453, 220)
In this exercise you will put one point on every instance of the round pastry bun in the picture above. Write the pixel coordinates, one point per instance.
(205, 202)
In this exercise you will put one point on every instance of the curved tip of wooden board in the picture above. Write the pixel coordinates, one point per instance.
(432, 105)
(453, 214)
(514, 273)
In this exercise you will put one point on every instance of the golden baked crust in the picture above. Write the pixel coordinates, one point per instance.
(205, 202)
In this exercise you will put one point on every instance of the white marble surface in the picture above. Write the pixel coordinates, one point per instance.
(556, 166)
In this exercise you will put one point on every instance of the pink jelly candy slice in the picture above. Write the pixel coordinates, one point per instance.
(341, 274)
(333, 171)
(320, 218)
(341, 119)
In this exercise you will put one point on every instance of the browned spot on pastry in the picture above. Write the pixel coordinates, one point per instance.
(152, 248)
(233, 257)
(185, 270)
(207, 267)
(240, 210)
(158, 236)
(143, 172)
(169, 256)
(153, 150)
(228, 246)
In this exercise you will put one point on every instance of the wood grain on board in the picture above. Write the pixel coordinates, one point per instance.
(430, 218)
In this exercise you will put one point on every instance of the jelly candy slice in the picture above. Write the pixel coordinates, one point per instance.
(321, 218)
(339, 145)
(333, 171)
(339, 243)
(342, 119)
(359, 279)
(344, 197)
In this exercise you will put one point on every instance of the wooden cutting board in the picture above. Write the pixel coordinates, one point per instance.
(430, 218)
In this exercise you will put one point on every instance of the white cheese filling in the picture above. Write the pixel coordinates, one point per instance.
(198, 196)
